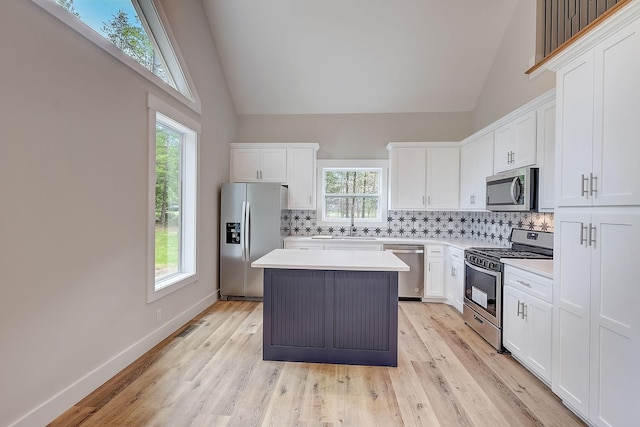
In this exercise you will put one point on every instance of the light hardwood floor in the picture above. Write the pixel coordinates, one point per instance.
(211, 373)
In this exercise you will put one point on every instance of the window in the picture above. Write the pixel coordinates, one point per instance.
(352, 189)
(173, 178)
(130, 26)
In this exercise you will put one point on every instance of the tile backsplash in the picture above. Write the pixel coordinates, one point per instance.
(489, 227)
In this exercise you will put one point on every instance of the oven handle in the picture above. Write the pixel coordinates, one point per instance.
(495, 274)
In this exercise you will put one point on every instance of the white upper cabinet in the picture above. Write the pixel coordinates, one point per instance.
(443, 178)
(408, 182)
(293, 164)
(515, 143)
(598, 96)
(258, 165)
(301, 177)
(476, 164)
(423, 177)
(546, 147)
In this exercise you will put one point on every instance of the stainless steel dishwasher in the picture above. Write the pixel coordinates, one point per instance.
(410, 283)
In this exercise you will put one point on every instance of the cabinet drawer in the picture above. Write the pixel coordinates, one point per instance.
(435, 251)
(456, 254)
(532, 284)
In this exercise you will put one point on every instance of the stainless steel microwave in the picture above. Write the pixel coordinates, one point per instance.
(514, 190)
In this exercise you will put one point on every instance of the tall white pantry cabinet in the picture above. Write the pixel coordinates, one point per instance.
(596, 319)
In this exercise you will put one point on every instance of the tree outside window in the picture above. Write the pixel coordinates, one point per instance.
(351, 193)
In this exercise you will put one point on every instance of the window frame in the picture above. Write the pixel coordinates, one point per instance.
(154, 21)
(191, 129)
(381, 165)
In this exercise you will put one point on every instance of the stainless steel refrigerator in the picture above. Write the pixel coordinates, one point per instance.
(250, 227)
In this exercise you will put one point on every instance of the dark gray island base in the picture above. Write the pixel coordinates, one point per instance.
(331, 316)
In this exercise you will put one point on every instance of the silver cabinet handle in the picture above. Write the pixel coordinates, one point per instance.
(593, 184)
(592, 235)
(583, 186)
(519, 312)
(422, 200)
(583, 234)
(260, 174)
(524, 311)
(523, 283)
(428, 200)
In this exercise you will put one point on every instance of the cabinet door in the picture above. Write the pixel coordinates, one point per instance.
(408, 178)
(458, 274)
(245, 164)
(502, 148)
(571, 297)
(574, 96)
(615, 318)
(616, 121)
(524, 143)
(273, 165)
(476, 164)
(514, 326)
(515, 143)
(301, 172)
(435, 278)
(443, 178)
(538, 315)
(546, 147)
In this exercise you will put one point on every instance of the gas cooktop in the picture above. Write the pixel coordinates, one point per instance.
(524, 244)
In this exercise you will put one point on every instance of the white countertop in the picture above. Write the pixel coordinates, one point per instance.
(463, 243)
(543, 267)
(331, 260)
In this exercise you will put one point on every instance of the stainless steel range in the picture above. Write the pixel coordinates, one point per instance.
(482, 309)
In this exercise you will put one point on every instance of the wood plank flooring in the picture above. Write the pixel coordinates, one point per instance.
(211, 373)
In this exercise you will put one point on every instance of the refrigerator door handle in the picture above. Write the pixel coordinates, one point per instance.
(243, 230)
(247, 237)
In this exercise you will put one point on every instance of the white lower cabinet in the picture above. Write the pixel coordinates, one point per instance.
(527, 332)
(596, 321)
(434, 289)
(454, 277)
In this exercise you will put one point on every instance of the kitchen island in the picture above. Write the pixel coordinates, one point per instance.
(331, 306)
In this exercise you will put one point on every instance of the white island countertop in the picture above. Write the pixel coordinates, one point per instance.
(331, 260)
(543, 267)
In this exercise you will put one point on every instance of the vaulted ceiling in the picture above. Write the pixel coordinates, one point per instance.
(357, 56)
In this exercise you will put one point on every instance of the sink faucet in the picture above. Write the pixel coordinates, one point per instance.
(352, 228)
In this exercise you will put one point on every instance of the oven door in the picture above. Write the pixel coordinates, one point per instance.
(483, 292)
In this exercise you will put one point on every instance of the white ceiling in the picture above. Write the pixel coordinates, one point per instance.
(357, 56)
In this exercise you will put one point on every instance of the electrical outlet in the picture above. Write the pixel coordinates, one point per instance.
(308, 224)
(158, 315)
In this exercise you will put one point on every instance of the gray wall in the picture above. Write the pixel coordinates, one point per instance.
(507, 87)
(354, 136)
(365, 135)
(73, 191)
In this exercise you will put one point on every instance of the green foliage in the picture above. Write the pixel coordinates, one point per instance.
(167, 249)
(68, 6)
(132, 39)
(351, 193)
(168, 163)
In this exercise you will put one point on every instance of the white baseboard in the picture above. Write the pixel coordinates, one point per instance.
(49, 410)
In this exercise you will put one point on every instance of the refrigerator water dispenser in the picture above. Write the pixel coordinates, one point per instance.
(233, 233)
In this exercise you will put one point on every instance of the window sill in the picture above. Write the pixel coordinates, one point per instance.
(171, 284)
